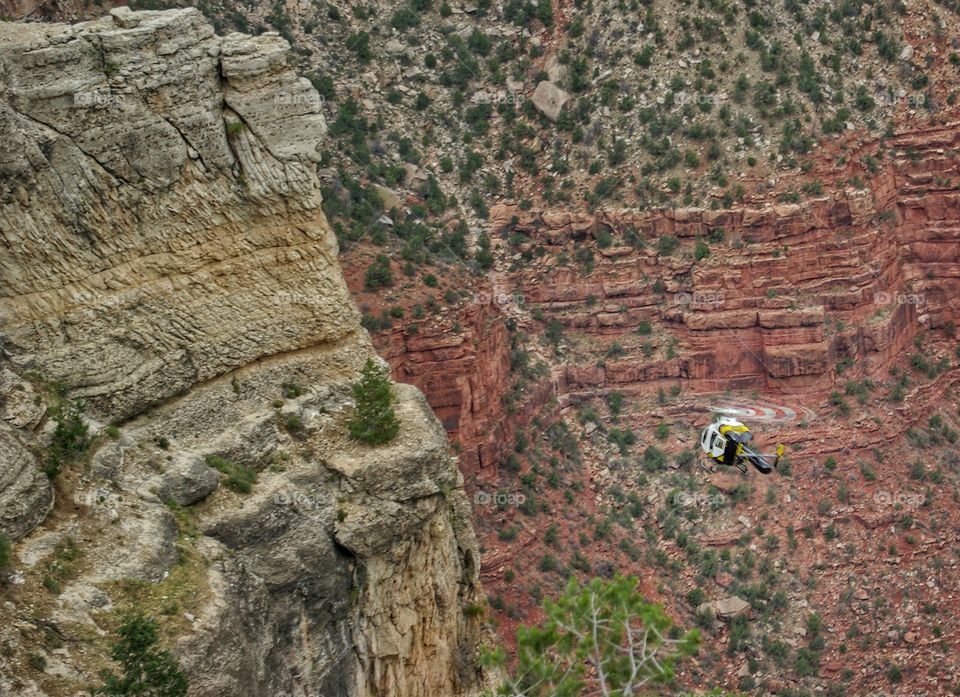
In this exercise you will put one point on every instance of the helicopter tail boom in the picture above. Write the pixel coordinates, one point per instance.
(764, 462)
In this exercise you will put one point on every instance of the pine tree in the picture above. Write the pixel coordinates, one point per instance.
(375, 422)
(601, 638)
(148, 671)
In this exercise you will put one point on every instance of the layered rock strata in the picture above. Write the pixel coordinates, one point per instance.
(794, 288)
(167, 264)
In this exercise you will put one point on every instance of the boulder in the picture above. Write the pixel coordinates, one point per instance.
(549, 99)
(107, 461)
(724, 608)
(387, 197)
(556, 71)
(188, 480)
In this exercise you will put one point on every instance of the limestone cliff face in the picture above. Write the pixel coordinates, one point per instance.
(160, 204)
(166, 261)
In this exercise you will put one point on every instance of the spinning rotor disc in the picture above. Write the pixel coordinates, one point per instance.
(760, 411)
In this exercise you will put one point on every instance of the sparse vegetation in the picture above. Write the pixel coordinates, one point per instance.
(5, 550)
(688, 114)
(236, 476)
(70, 436)
(378, 274)
(147, 670)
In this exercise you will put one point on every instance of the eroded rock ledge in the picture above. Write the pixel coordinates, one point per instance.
(166, 260)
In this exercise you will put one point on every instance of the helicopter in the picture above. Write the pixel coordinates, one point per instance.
(726, 441)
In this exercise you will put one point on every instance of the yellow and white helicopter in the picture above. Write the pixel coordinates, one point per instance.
(726, 441)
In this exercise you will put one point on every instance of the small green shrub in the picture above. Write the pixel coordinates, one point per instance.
(359, 43)
(622, 438)
(654, 459)
(378, 274)
(474, 610)
(147, 670)
(238, 477)
(291, 390)
(508, 533)
(696, 597)
(667, 245)
(70, 437)
(4, 552)
(548, 562)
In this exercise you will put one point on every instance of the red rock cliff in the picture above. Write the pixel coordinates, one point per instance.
(792, 290)
(464, 373)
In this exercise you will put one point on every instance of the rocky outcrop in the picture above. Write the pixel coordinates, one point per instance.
(182, 165)
(725, 608)
(25, 493)
(168, 263)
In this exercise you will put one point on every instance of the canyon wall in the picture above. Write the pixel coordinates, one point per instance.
(464, 374)
(793, 290)
(167, 264)
(853, 273)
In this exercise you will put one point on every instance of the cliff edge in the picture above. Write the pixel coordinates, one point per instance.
(166, 263)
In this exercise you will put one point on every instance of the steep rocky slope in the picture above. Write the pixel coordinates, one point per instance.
(827, 321)
(783, 293)
(167, 266)
(773, 295)
(436, 117)
(571, 103)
